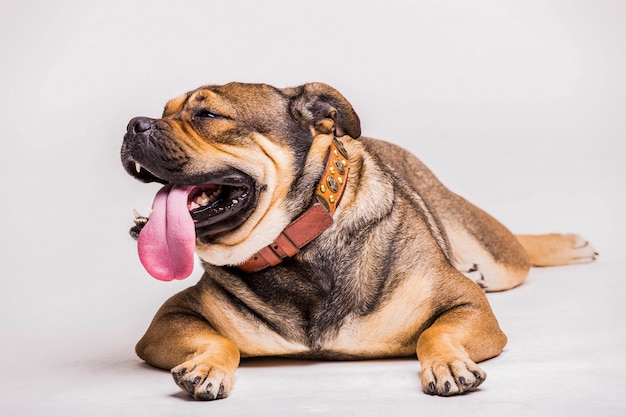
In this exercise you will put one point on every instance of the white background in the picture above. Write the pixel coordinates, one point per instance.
(520, 106)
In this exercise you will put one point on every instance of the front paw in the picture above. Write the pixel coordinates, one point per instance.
(203, 381)
(453, 378)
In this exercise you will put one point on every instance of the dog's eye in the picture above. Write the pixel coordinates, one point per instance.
(204, 114)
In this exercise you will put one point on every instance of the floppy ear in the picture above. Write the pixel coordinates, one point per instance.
(322, 107)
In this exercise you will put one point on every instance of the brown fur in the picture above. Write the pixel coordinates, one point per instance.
(387, 279)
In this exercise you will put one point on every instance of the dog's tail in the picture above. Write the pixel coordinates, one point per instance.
(557, 249)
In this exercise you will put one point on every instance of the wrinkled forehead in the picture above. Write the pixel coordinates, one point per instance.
(226, 99)
(190, 99)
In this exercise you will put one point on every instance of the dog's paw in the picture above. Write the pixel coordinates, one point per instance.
(580, 250)
(456, 377)
(471, 271)
(203, 381)
(557, 249)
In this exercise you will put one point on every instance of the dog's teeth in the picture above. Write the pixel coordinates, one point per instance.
(216, 193)
(202, 199)
(139, 219)
(137, 167)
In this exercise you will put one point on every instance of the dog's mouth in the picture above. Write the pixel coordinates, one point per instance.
(217, 202)
(222, 205)
(189, 208)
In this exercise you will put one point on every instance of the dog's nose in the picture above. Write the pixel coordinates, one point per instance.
(139, 125)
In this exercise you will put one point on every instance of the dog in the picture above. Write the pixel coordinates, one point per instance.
(316, 242)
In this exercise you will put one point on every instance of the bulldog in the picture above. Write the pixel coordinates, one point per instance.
(316, 242)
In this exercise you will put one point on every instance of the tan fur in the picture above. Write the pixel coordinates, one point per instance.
(387, 279)
(557, 249)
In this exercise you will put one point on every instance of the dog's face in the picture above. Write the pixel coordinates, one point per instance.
(240, 158)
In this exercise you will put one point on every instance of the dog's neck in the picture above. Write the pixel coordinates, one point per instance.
(314, 221)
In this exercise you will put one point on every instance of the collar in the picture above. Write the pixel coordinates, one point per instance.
(314, 221)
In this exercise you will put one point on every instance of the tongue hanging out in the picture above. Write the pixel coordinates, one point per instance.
(166, 243)
(182, 213)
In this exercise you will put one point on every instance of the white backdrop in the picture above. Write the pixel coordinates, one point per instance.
(517, 105)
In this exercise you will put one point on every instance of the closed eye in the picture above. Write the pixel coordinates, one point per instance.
(205, 114)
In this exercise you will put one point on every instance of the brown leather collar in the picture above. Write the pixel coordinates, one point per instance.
(314, 221)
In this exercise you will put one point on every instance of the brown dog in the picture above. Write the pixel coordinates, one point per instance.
(316, 242)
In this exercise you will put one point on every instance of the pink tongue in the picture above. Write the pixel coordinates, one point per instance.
(167, 242)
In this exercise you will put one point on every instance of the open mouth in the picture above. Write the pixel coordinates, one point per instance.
(220, 206)
(217, 202)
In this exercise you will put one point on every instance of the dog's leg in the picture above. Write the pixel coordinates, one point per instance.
(557, 249)
(497, 260)
(459, 338)
(484, 250)
(202, 362)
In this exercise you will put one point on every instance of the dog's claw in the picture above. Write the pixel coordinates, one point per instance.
(453, 378)
(203, 381)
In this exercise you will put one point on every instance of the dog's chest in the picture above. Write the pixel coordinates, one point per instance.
(316, 322)
(382, 334)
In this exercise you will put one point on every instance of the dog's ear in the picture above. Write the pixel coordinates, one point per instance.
(322, 107)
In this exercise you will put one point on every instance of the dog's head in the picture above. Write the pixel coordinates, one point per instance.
(237, 161)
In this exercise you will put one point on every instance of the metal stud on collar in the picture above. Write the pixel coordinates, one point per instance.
(332, 184)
